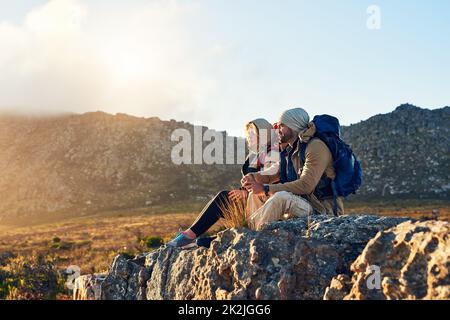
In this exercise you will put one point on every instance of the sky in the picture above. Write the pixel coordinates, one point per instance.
(221, 63)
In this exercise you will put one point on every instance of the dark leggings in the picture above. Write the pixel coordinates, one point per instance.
(210, 214)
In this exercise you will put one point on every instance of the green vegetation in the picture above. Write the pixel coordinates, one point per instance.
(30, 278)
(151, 242)
(62, 245)
(126, 254)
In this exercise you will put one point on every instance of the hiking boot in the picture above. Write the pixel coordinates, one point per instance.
(183, 242)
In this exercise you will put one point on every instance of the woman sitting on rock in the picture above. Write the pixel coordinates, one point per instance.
(263, 154)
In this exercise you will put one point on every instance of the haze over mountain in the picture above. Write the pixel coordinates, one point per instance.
(71, 165)
(81, 164)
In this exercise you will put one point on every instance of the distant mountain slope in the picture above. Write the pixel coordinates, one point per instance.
(405, 153)
(79, 164)
(82, 164)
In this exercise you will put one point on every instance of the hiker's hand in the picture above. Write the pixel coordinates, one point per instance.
(256, 187)
(245, 181)
(238, 195)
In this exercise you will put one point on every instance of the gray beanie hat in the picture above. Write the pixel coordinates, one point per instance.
(297, 119)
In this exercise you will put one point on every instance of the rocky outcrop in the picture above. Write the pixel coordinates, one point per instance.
(293, 259)
(409, 261)
(88, 287)
(391, 146)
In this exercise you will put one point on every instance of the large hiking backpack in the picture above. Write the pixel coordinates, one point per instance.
(346, 165)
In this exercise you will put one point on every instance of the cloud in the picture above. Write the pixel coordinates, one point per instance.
(151, 58)
(70, 55)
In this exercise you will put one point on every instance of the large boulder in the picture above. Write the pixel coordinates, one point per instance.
(409, 261)
(293, 259)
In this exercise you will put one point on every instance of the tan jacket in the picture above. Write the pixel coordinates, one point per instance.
(318, 160)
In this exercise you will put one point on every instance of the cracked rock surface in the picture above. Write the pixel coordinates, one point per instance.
(412, 261)
(295, 259)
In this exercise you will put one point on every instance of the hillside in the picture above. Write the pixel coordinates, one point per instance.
(404, 154)
(74, 165)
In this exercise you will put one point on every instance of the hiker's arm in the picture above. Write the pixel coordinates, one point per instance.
(271, 164)
(268, 175)
(247, 168)
(317, 158)
(271, 171)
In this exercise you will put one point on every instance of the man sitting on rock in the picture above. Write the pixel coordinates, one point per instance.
(290, 192)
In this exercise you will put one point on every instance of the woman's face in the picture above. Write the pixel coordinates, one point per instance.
(252, 139)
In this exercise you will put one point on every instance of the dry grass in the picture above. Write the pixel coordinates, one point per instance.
(234, 213)
(92, 242)
(442, 212)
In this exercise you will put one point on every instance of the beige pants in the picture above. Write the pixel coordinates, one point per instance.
(281, 205)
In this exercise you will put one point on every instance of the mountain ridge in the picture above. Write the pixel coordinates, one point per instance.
(79, 164)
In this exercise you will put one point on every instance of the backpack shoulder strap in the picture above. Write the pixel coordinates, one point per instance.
(303, 147)
(333, 184)
(303, 153)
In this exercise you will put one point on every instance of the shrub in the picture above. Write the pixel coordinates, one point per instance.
(5, 257)
(151, 242)
(5, 283)
(127, 254)
(31, 278)
(63, 245)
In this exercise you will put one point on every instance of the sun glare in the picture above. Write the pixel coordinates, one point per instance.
(128, 67)
(125, 65)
